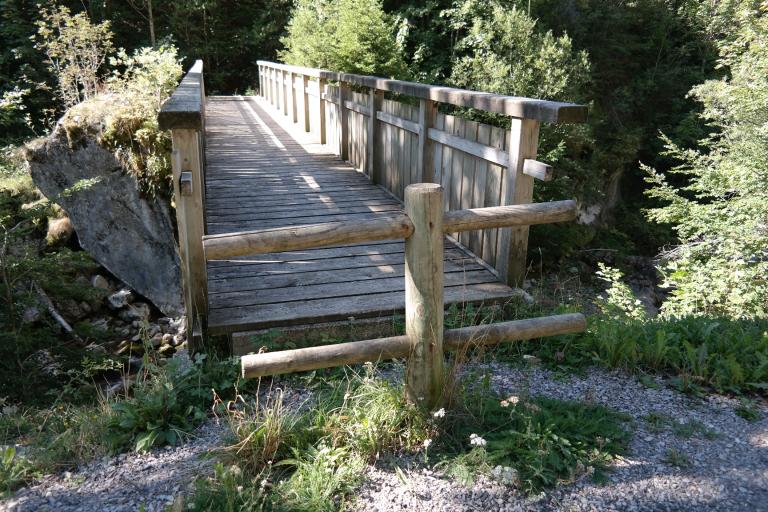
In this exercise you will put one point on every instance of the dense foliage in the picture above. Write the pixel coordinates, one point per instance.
(721, 212)
(350, 35)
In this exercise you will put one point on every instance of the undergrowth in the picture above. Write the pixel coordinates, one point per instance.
(311, 456)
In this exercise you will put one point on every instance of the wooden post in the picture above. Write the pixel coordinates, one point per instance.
(517, 189)
(321, 100)
(425, 165)
(284, 92)
(293, 107)
(372, 157)
(186, 163)
(424, 295)
(344, 95)
(305, 101)
(272, 88)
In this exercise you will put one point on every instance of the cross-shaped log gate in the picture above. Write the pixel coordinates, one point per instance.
(423, 226)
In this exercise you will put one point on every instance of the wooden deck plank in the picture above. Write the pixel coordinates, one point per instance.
(261, 174)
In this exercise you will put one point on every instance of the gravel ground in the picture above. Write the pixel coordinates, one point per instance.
(728, 456)
(123, 483)
(728, 461)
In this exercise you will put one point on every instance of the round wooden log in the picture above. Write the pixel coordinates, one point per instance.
(424, 374)
(505, 216)
(327, 356)
(230, 245)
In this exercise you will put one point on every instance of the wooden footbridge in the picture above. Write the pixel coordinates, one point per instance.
(290, 204)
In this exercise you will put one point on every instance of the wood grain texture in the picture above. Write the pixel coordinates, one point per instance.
(264, 172)
(524, 108)
(184, 108)
(395, 347)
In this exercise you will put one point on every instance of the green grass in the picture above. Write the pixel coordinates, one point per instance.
(545, 441)
(660, 422)
(676, 458)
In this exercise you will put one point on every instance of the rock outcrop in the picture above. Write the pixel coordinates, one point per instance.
(130, 235)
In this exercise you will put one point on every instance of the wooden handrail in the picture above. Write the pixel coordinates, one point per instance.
(230, 245)
(395, 347)
(524, 108)
(185, 107)
(184, 115)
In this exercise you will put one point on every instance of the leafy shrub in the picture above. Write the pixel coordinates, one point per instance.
(76, 51)
(543, 442)
(166, 404)
(720, 213)
(355, 36)
(14, 470)
(125, 119)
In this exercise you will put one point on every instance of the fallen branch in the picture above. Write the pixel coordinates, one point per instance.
(55, 314)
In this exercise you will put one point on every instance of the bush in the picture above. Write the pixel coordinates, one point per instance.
(720, 213)
(168, 403)
(124, 120)
(355, 36)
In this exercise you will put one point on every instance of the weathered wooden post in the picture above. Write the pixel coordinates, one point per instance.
(518, 189)
(321, 109)
(372, 147)
(425, 165)
(424, 295)
(182, 114)
(305, 101)
(293, 107)
(344, 95)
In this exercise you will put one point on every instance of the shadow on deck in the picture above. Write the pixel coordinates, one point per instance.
(259, 175)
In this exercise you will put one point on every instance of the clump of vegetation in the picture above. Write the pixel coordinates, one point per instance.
(720, 212)
(532, 442)
(355, 36)
(124, 118)
(76, 51)
(168, 402)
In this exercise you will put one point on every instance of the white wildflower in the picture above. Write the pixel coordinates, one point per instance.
(426, 443)
(476, 440)
(440, 413)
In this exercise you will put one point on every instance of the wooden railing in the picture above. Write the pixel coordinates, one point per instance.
(184, 115)
(397, 143)
(423, 226)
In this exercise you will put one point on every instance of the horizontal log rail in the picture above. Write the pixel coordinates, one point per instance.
(423, 225)
(312, 236)
(396, 347)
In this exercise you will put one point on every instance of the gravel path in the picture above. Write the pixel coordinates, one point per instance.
(728, 458)
(123, 483)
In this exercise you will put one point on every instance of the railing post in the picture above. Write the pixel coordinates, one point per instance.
(271, 78)
(188, 185)
(305, 101)
(344, 94)
(284, 91)
(424, 295)
(321, 90)
(517, 189)
(372, 158)
(425, 166)
(294, 106)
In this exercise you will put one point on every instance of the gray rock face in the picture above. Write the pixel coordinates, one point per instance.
(130, 235)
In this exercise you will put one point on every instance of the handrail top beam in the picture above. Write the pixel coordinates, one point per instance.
(184, 108)
(514, 106)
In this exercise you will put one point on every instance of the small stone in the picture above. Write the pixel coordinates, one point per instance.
(138, 311)
(168, 339)
(100, 282)
(157, 340)
(31, 315)
(120, 299)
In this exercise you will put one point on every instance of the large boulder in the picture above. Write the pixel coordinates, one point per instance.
(131, 235)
